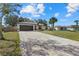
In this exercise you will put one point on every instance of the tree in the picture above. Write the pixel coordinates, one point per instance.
(12, 20)
(41, 21)
(77, 24)
(8, 9)
(52, 21)
(21, 19)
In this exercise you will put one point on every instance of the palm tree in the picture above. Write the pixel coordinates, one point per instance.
(52, 21)
(7, 10)
(77, 24)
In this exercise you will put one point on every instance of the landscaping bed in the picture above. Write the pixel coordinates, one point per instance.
(10, 46)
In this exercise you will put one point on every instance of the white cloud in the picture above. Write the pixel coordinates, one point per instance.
(50, 8)
(28, 9)
(34, 9)
(41, 8)
(63, 20)
(72, 8)
(36, 15)
(56, 14)
(69, 14)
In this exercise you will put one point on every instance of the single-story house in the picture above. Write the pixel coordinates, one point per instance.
(72, 27)
(60, 28)
(29, 26)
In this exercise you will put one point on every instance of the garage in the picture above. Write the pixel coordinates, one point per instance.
(26, 28)
(29, 26)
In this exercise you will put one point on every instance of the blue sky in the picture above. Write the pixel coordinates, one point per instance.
(65, 13)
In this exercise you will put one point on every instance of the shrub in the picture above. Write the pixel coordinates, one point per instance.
(9, 29)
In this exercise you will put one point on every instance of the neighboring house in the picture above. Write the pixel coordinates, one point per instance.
(71, 28)
(29, 26)
(60, 28)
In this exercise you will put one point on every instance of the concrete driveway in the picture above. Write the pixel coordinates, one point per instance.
(34, 43)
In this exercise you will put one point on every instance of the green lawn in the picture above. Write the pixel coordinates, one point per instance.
(10, 46)
(64, 34)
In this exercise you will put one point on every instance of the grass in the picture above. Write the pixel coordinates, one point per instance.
(64, 34)
(10, 46)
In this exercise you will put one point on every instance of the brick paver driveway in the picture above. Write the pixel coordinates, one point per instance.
(40, 44)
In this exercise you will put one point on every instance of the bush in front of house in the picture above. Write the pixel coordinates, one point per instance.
(9, 29)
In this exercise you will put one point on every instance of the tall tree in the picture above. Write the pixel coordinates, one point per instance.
(52, 21)
(12, 20)
(41, 21)
(8, 9)
(77, 24)
(21, 19)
